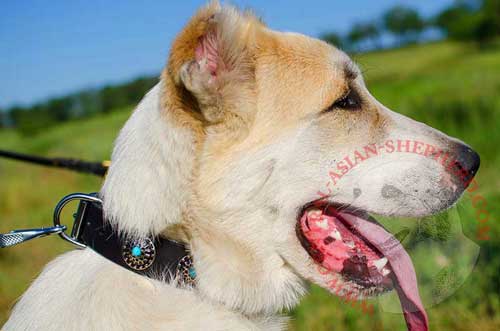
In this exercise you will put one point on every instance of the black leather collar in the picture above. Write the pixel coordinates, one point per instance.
(157, 258)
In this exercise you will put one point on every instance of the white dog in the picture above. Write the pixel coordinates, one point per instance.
(262, 152)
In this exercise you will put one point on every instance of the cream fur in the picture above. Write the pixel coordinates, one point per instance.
(82, 291)
(148, 181)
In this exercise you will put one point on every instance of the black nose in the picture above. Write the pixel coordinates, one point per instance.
(468, 161)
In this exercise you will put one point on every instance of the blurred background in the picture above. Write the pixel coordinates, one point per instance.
(71, 72)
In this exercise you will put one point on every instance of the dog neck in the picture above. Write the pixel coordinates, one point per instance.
(237, 271)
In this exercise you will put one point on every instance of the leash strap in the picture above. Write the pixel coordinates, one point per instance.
(96, 168)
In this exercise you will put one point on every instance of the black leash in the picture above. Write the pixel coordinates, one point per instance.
(96, 168)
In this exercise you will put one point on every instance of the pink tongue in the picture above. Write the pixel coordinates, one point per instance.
(405, 280)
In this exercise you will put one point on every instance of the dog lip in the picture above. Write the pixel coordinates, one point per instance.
(310, 249)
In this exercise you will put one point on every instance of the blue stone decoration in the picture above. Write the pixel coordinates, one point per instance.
(192, 273)
(139, 254)
(136, 251)
(186, 273)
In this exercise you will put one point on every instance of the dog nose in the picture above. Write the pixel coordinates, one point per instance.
(468, 161)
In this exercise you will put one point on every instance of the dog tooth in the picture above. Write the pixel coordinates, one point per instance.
(314, 213)
(385, 272)
(336, 234)
(380, 263)
(350, 244)
(323, 224)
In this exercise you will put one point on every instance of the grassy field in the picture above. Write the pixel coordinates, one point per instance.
(453, 87)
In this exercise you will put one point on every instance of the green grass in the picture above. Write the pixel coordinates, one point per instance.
(453, 87)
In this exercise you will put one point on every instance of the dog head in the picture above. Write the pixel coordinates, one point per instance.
(252, 136)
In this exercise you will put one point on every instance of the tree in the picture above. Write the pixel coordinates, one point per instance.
(472, 20)
(361, 32)
(113, 98)
(15, 114)
(489, 23)
(405, 23)
(457, 21)
(136, 89)
(355, 36)
(87, 103)
(59, 108)
(333, 39)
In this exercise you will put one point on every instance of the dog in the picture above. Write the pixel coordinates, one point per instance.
(228, 154)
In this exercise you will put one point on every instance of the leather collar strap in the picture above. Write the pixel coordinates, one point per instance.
(157, 258)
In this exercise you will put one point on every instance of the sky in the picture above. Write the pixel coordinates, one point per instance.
(52, 48)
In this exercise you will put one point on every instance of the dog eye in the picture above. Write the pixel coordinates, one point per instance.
(350, 101)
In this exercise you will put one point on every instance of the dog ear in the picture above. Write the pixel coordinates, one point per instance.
(149, 180)
(220, 63)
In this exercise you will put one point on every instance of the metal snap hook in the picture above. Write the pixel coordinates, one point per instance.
(19, 236)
